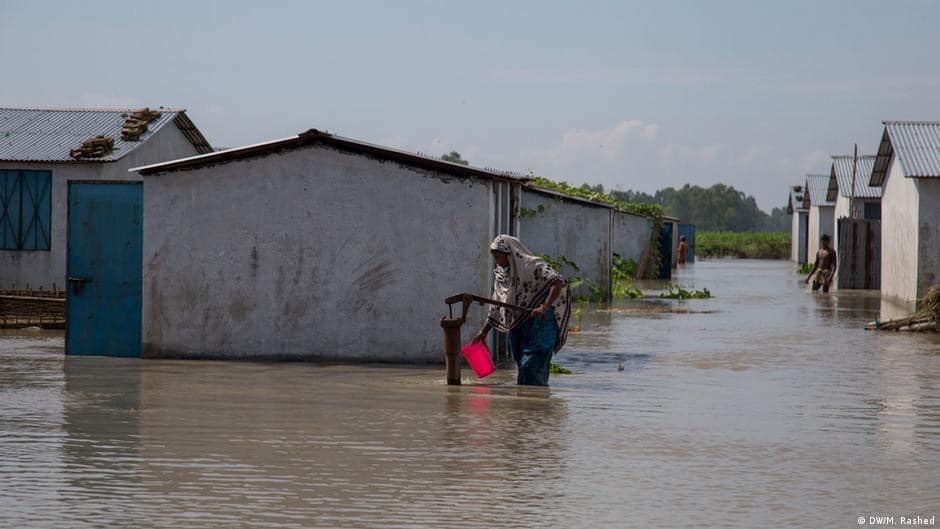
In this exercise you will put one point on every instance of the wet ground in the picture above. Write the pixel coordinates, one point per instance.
(765, 406)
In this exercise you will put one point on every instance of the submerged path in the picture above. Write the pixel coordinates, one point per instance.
(765, 406)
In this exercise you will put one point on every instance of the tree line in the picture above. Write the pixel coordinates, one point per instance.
(716, 208)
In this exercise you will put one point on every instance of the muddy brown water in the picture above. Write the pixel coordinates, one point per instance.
(765, 406)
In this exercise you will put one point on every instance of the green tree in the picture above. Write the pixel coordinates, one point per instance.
(719, 208)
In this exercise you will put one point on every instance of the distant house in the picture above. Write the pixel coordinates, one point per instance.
(821, 213)
(799, 224)
(867, 197)
(907, 169)
(859, 252)
(41, 150)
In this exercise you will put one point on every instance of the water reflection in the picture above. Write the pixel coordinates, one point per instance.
(100, 449)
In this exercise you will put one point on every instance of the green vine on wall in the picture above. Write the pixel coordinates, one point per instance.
(527, 213)
(649, 268)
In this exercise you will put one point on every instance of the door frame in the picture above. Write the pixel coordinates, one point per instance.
(68, 240)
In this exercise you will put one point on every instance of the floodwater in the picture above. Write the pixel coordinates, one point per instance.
(765, 406)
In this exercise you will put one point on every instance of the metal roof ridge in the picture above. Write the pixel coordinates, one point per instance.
(90, 109)
(315, 136)
(910, 122)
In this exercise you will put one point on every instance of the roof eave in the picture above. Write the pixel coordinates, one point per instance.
(317, 137)
(882, 160)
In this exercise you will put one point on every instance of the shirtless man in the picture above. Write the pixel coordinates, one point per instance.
(824, 267)
(683, 249)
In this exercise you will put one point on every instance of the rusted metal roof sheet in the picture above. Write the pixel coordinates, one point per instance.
(916, 145)
(795, 202)
(817, 186)
(48, 135)
(840, 178)
(318, 137)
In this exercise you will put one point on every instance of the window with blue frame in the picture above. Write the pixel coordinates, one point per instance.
(25, 209)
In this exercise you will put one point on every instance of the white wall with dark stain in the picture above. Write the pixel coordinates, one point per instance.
(312, 253)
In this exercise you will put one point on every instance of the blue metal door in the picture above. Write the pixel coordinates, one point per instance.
(688, 231)
(665, 251)
(105, 253)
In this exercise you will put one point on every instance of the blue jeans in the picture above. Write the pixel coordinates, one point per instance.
(532, 344)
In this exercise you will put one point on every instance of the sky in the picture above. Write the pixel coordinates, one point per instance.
(631, 95)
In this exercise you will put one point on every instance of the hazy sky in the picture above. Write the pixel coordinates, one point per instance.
(635, 95)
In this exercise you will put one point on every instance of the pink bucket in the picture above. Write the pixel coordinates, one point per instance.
(479, 357)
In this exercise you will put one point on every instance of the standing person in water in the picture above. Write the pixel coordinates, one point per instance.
(824, 267)
(683, 249)
(526, 280)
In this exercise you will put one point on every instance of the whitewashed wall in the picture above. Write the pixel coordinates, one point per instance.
(630, 235)
(820, 222)
(899, 235)
(313, 253)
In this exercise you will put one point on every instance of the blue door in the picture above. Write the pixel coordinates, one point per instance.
(105, 253)
(665, 251)
(688, 231)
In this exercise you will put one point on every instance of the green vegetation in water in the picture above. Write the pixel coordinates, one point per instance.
(622, 274)
(749, 245)
(578, 314)
(558, 369)
(804, 269)
(575, 282)
(677, 292)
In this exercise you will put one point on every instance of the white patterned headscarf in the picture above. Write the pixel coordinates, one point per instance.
(526, 283)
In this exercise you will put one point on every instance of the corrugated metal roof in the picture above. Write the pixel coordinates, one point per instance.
(917, 146)
(48, 135)
(795, 202)
(840, 177)
(817, 185)
(314, 137)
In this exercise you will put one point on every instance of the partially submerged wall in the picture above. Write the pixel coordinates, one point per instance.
(558, 226)
(312, 253)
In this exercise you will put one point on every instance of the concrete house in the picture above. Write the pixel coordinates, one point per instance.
(41, 150)
(867, 197)
(821, 217)
(315, 246)
(907, 169)
(799, 225)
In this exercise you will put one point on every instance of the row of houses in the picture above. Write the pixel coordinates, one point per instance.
(882, 212)
(314, 246)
